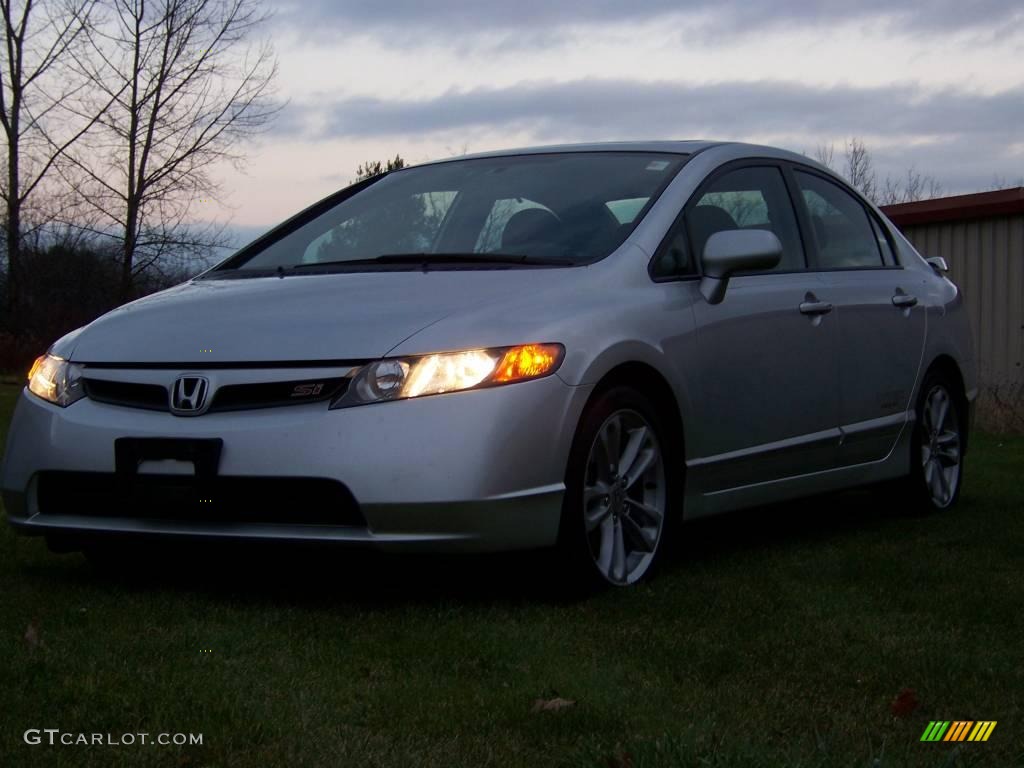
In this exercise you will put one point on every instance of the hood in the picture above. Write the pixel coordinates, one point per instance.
(346, 316)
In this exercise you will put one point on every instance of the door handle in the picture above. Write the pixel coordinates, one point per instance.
(814, 307)
(903, 300)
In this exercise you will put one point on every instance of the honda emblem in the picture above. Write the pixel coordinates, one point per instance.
(188, 397)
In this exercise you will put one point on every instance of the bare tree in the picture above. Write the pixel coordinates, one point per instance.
(1001, 182)
(186, 86)
(859, 169)
(825, 155)
(912, 187)
(34, 89)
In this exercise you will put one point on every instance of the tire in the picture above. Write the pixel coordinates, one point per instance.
(617, 521)
(936, 448)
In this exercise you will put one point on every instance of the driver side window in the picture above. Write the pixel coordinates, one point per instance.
(748, 198)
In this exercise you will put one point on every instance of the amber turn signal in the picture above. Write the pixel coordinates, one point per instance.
(528, 362)
(36, 366)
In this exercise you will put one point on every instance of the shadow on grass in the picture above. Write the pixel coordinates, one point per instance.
(805, 520)
(320, 575)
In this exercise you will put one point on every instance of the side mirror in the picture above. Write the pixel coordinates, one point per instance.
(736, 250)
(938, 264)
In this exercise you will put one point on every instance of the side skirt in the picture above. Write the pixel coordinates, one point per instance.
(712, 502)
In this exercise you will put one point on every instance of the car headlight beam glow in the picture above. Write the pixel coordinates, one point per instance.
(403, 378)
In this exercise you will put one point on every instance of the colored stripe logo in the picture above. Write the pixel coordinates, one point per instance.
(958, 730)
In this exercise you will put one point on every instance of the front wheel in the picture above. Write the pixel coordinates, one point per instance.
(618, 490)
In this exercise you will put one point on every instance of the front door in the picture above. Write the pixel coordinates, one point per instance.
(766, 355)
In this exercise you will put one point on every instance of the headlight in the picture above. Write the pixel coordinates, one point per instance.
(401, 378)
(56, 380)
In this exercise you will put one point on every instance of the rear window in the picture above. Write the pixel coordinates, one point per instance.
(843, 231)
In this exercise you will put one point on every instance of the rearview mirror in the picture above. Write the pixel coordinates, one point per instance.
(736, 250)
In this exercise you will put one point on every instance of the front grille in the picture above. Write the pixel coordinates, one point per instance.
(231, 397)
(235, 397)
(185, 498)
(128, 394)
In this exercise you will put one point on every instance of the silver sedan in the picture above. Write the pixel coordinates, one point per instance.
(576, 347)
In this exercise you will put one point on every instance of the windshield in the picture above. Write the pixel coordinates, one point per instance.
(547, 209)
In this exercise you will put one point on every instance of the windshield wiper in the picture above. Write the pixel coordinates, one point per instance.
(469, 258)
(441, 258)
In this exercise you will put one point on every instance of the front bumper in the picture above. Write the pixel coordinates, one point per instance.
(470, 471)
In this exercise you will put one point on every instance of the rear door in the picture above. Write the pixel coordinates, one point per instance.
(766, 358)
(881, 322)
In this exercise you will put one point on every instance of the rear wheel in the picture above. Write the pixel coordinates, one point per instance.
(618, 491)
(936, 454)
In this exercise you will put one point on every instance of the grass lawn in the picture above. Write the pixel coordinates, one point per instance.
(776, 638)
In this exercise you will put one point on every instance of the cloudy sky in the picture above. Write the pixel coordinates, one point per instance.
(934, 84)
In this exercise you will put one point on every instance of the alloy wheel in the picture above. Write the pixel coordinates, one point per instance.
(624, 497)
(940, 446)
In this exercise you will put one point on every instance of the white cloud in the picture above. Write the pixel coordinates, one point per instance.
(937, 84)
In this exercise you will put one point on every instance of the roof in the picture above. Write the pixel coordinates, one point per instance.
(734, 150)
(678, 147)
(1002, 202)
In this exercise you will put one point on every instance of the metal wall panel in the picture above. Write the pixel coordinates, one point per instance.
(986, 259)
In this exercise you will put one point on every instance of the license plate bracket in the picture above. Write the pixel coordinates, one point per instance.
(203, 453)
